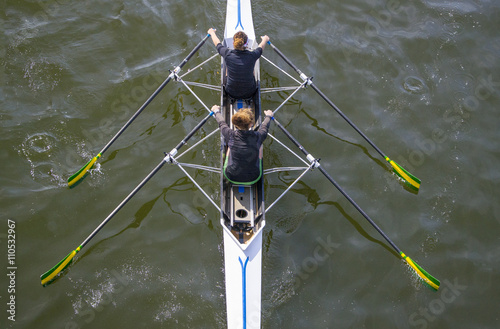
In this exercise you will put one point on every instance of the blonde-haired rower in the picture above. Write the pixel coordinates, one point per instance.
(243, 163)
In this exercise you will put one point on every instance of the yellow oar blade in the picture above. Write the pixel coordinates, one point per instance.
(52, 274)
(80, 174)
(412, 181)
(428, 279)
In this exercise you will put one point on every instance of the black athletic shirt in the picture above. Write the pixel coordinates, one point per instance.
(240, 65)
(243, 164)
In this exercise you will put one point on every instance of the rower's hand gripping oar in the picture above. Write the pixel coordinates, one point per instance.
(54, 272)
(410, 179)
(80, 174)
(425, 276)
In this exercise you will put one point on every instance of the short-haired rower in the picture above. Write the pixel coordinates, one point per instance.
(240, 64)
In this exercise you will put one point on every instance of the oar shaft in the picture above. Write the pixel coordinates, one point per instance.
(192, 132)
(148, 177)
(136, 114)
(127, 199)
(323, 171)
(289, 62)
(156, 92)
(78, 176)
(410, 179)
(50, 275)
(423, 274)
(313, 86)
(195, 49)
(292, 139)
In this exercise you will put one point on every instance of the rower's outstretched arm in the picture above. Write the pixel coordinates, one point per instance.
(224, 128)
(264, 127)
(215, 39)
(264, 41)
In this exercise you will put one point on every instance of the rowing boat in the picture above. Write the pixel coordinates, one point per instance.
(242, 206)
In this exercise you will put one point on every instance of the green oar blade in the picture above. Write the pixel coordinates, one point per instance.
(80, 174)
(51, 274)
(428, 279)
(412, 181)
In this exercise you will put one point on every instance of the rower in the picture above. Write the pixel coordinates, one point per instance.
(243, 164)
(240, 62)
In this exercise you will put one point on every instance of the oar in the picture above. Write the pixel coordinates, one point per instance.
(53, 273)
(80, 174)
(424, 275)
(410, 179)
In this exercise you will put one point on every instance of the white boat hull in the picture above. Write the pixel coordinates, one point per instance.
(243, 282)
(243, 260)
(239, 18)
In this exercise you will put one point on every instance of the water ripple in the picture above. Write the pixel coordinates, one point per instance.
(38, 149)
(414, 85)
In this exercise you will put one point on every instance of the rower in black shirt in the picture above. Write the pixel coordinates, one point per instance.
(243, 163)
(240, 64)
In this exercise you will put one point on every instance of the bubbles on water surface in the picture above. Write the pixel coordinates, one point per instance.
(415, 280)
(283, 288)
(167, 311)
(104, 288)
(42, 75)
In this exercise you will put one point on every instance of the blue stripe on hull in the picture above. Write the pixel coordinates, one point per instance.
(239, 16)
(244, 287)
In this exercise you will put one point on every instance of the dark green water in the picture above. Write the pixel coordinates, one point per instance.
(421, 79)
